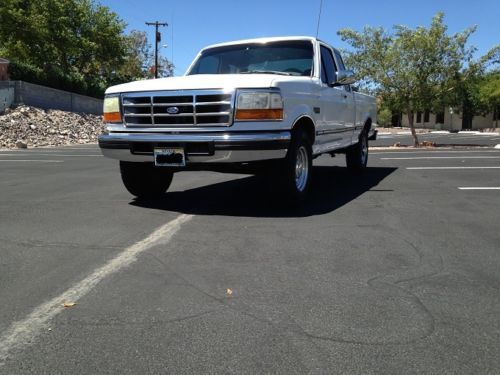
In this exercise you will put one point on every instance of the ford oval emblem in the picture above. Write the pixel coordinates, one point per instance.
(173, 110)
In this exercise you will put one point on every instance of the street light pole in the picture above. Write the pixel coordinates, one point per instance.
(157, 41)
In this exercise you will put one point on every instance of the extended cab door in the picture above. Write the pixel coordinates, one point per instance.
(333, 130)
(349, 100)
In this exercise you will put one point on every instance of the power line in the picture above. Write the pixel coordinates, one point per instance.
(157, 40)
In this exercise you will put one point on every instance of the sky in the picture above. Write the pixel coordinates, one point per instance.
(194, 24)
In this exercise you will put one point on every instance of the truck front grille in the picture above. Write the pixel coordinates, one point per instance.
(178, 108)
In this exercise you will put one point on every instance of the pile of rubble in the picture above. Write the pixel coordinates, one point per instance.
(24, 126)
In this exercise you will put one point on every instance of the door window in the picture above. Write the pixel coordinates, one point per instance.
(328, 67)
(339, 60)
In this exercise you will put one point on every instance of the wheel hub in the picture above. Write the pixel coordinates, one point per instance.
(301, 169)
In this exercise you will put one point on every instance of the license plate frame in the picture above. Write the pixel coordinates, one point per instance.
(169, 157)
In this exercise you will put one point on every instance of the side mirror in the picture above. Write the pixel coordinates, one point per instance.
(345, 77)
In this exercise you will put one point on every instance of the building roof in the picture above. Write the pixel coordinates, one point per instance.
(4, 61)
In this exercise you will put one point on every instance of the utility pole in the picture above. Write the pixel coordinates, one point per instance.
(157, 41)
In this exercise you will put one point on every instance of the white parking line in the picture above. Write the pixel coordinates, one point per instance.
(422, 168)
(33, 161)
(462, 137)
(480, 188)
(51, 150)
(443, 157)
(22, 333)
(430, 151)
(64, 148)
(49, 154)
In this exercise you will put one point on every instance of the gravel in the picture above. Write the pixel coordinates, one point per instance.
(26, 127)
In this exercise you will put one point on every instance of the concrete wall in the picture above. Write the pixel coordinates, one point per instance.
(7, 95)
(46, 98)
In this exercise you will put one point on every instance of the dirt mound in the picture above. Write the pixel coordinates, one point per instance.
(25, 126)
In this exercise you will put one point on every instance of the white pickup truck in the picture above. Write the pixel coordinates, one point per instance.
(262, 105)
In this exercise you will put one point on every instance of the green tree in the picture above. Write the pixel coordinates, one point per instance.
(411, 69)
(489, 93)
(79, 39)
(139, 60)
(137, 57)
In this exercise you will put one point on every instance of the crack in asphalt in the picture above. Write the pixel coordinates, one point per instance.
(384, 282)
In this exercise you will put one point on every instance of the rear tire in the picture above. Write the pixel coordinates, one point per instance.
(144, 180)
(357, 155)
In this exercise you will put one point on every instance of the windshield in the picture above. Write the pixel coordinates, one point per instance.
(285, 57)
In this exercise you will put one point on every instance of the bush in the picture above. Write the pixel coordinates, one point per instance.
(55, 77)
(384, 117)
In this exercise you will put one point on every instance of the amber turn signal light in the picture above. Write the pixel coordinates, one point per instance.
(259, 114)
(112, 117)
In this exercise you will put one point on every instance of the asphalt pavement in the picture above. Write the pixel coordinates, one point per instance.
(395, 271)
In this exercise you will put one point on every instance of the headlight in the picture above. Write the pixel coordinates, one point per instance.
(259, 105)
(111, 109)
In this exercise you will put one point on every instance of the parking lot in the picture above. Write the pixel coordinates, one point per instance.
(395, 271)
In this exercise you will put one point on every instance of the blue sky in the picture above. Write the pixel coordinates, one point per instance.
(198, 23)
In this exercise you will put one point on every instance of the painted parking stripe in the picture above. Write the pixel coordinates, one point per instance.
(430, 151)
(440, 168)
(443, 157)
(49, 154)
(480, 188)
(32, 161)
(22, 333)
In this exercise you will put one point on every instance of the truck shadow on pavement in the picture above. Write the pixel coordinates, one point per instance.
(332, 188)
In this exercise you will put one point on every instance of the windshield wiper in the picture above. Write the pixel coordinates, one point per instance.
(267, 72)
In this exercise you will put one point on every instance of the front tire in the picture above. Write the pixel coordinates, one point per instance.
(144, 180)
(294, 172)
(357, 155)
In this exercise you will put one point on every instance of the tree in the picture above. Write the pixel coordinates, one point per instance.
(69, 40)
(410, 69)
(137, 57)
(489, 93)
(76, 45)
(466, 89)
(139, 60)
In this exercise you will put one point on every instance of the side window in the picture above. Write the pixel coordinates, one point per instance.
(339, 60)
(328, 68)
(341, 65)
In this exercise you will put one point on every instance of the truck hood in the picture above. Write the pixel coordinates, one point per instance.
(201, 81)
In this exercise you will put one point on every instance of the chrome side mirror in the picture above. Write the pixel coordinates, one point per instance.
(345, 77)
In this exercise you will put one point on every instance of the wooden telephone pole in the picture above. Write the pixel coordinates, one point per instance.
(157, 41)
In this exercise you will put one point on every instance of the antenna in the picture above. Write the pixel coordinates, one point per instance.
(319, 18)
(172, 44)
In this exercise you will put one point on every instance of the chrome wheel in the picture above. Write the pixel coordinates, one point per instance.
(364, 150)
(301, 169)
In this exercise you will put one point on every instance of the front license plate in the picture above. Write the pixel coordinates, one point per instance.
(169, 157)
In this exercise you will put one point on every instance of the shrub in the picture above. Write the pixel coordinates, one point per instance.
(55, 77)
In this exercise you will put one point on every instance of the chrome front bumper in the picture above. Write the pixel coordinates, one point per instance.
(224, 147)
